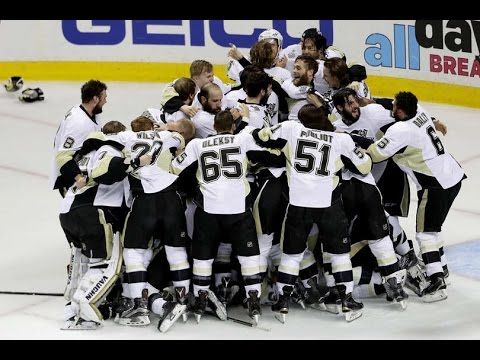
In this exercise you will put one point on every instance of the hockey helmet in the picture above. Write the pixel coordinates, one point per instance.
(271, 34)
(334, 52)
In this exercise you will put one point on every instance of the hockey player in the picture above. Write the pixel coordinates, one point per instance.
(413, 144)
(313, 159)
(91, 217)
(223, 210)
(156, 210)
(201, 72)
(79, 121)
(360, 193)
(291, 52)
(184, 90)
(238, 61)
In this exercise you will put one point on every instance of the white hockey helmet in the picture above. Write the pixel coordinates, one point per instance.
(272, 34)
(334, 52)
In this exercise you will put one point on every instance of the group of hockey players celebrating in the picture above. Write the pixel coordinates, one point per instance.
(285, 188)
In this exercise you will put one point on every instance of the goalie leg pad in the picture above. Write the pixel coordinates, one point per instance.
(74, 274)
(97, 283)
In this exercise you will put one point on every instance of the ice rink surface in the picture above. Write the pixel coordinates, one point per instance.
(35, 253)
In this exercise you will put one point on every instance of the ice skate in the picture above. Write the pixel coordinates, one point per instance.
(139, 314)
(436, 291)
(315, 295)
(298, 294)
(280, 308)
(254, 308)
(332, 301)
(350, 308)
(200, 305)
(171, 313)
(182, 298)
(394, 288)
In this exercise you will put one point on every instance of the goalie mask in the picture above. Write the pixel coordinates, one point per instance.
(31, 95)
(14, 83)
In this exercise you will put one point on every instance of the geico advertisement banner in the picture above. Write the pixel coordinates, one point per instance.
(436, 50)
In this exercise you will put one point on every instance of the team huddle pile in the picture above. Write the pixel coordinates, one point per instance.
(283, 188)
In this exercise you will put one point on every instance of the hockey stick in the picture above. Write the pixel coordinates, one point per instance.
(240, 321)
(29, 293)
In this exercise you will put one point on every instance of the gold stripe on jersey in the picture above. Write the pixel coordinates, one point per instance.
(256, 212)
(126, 152)
(107, 228)
(167, 94)
(421, 212)
(96, 135)
(366, 167)
(375, 154)
(355, 248)
(265, 134)
(164, 160)
(62, 157)
(102, 167)
(405, 202)
(412, 158)
(312, 240)
(338, 164)
(180, 138)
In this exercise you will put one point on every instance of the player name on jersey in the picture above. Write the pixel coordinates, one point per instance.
(420, 119)
(316, 135)
(151, 135)
(218, 141)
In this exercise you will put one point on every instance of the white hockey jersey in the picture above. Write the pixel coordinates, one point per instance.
(417, 149)
(71, 134)
(313, 159)
(203, 122)
(221, 172)
(156, 176)
(372, 118)
(93, 164)
(272, 102)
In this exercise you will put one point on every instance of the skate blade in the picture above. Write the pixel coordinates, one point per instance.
(332, 308)
(197, 318)
(142, 320)
(255, 319)
(302, 304)
(403, 304)
(319, 306)
(437, 296)
(281, 317)
(167, 323)
(353, 315)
